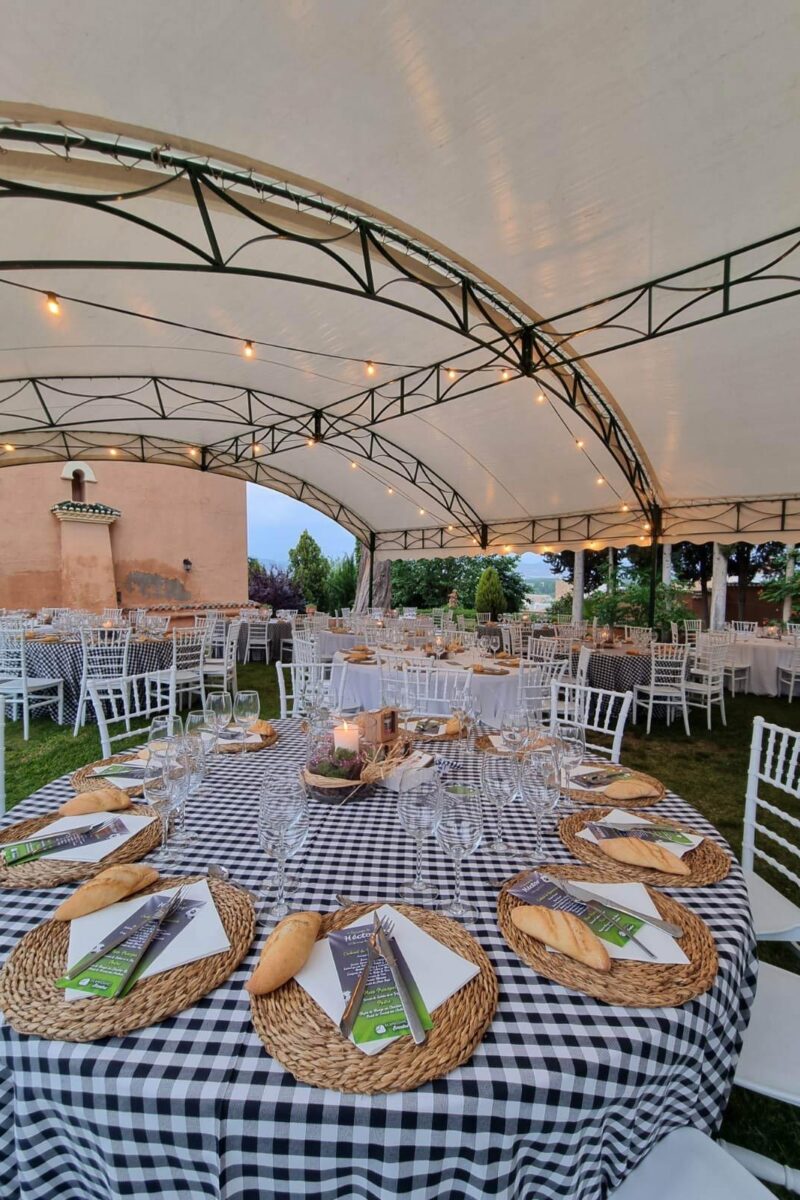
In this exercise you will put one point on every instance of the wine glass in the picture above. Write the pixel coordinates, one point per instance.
(282, 830)
(197, 725)
(499, 783)
(246, 710)
(494, 644)
(189, 754)
(540, 788)
(570, 747)
(159, 786)
(219, 710)
(162, 728)
(419, 807)
(516, 729)
(459, 834)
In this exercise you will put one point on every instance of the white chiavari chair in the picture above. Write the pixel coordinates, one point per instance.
(219, 673)
(705, 687)
(434, 691)
(687, 1163)
(597, 710)
(744, 628)
(258, 639)
(534, 685)
(675, 633)
(690, 631)
(105, 657)
(793, 628)
(667, 684)
(541, 649)
(112, 614)
(789, 674)
(775, 763)
(185, 676)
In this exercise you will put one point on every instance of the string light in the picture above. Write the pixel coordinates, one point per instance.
(310, 441)
(449, 528)
(451, 373)
(505, 374)
(248, 350)
(422, 512)
(370, 368)
(540, 399)
(600, 479)
(193, 452)
(113, 452)
(580, 444)
(255, 448)
(9, 448)
(353, 466)
(390, 491)
(53, 305)
(625, 508)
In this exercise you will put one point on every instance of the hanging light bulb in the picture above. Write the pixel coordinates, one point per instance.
(451, 373)
(52, 303)
(540, 398)
(625, 508)
(370, 368)
(248, 350)
(505, 374)
(390, 491)
(113, 452)
(9, 448)
(193, 452)
(600, 479)
(353, 466)
(579, 443)
(310, 442)
(422, 512)
(449, 528)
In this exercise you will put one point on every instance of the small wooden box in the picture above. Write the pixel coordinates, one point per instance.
(378, 727)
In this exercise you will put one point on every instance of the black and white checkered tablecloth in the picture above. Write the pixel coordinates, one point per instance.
(64, 660)
(562, 1098)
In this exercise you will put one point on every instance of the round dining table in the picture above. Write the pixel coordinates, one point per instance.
(561, 1099)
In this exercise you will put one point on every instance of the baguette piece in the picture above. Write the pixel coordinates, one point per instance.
(109, 799)
(636, 852)
(111, 885)
(564, 932)
(262, 728)
(630, 789)
(284, 952)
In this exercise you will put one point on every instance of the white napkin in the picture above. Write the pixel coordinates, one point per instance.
(618, 817)
(635, 896)
(98, 850)
(439, 972)
(203, 936)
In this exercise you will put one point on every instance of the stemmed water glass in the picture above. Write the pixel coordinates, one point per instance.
(499, 783)
(282, 830)
(419, 807)
(570, 747)
(246, 710)
(190, 757)
(540, 788)
(197, 725)
(459, 834)
(162, 728)
(219, 710)
(160, 791)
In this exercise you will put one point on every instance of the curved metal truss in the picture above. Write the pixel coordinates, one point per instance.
(360, 247)
(255, 422)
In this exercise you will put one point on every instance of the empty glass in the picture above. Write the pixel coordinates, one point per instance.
(540, 789)
(419, 807)
(570, 747)
(162, 728)
(246, 710)
(499, 783)
(459, 834)
(159, 785)
(218, 710)
(282, 830)
(189, 752)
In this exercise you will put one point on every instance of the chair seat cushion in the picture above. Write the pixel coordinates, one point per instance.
(774, 915)
(770, 1060)
(687, 1165)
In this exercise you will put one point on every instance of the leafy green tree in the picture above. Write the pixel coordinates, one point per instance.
(507, 568)
(489, 594)
(594, 566)
(427, 582)
(342, 582)
(309, 569)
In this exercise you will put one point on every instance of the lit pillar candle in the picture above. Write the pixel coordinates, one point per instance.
(346, 737)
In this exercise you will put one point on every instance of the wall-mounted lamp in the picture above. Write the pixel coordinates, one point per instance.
(187, 565)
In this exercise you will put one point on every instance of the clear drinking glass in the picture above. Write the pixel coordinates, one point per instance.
(197, 726)
(159, 787)
(246, 710)
(499, 783)
(164, 727)
(282, 830)
(570, 746)
(540, 789)
(189, 752)
(419, 807)
(459, 834)
(219, 710)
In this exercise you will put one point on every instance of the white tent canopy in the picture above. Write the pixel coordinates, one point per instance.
(228, 172)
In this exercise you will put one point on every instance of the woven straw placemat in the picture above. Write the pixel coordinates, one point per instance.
(32, 1004)
(251, 747)
(50, 872)
(306, 1042)
(484, 743)
(638, 984)
(84, 779)
(708, 862)
(597, 797)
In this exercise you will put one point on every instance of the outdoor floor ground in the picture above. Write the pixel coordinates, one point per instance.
(708, 769)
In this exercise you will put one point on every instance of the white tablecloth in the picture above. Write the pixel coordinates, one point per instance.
(763, 656)
(495, 693)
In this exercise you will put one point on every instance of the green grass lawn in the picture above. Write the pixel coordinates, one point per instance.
(709, 770)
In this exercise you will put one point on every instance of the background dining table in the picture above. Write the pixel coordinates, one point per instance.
(564, 1095)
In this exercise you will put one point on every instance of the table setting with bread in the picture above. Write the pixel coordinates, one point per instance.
(305, 977)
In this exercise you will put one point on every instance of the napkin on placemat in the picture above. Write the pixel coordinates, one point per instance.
(535, 890)
(83, 846)
(237, 737)
(193, 931)
(676, 841)
(124, 775)
(438, 971)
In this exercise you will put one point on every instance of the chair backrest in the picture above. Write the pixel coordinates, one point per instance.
(711, 658)
(285, 695)
(105, 652)
(668, 664)
(793, 627)
(112, 614)
(582, 670)
(123, 705)
(774, 761)
(188, 649)
(534, 684)
(13, 663)
(596, 710)
(483, 618)
(433, 691)
(232, 644)
(674, 632)
(640, 635)
(304, 649)
(512, 637)
(747, 627)
(542, 649)
(691, 630)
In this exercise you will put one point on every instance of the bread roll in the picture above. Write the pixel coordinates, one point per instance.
(109, 799)
(639, 853)
(111, 885)
(564, 932)
(630, 789)
(284, 952)
(453, 727)
(262, 728)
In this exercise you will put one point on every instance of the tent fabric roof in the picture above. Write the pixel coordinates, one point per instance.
(553, 155)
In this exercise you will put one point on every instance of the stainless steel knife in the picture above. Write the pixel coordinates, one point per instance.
(412, 1016)
(579, 892)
